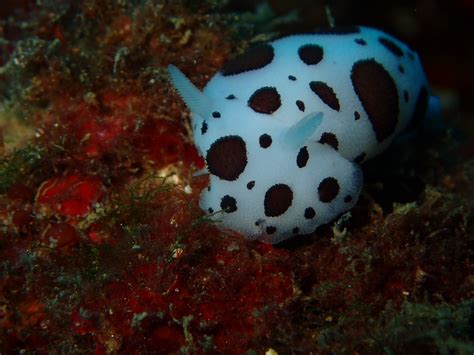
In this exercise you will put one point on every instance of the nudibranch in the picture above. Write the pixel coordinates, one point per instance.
(283, 126)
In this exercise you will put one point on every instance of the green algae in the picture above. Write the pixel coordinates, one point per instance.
(18, 166)
(437, 328)
(136, 208)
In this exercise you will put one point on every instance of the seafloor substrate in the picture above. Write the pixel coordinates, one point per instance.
(103, 247)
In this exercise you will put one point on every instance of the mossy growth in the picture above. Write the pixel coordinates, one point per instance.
(435, 328)
(18, 166)
(137, 205)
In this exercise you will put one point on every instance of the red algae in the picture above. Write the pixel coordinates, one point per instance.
(103, 246)
(70, 196)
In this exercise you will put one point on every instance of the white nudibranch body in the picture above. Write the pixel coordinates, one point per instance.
(283, 126)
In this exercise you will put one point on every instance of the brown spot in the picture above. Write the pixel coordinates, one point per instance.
(310, 54)
(300, 105)
(291, 77)
(325, 93)
(348, 199)
(203, 127)
(210, 210)
(227, 157)
(329, 139)
(265, 100)
(252, 59)
(309, 213)
(278, 199)
(229, 204)
(250, 185)
(230, 97)
(391, 46)
(401, 69)
(265, 140)
(378, 94)
(360, 41)
(302, 157)
(356, 115)
(216, 114)
(420, 109)
(271, 229)
(328, 189)
(296, 230)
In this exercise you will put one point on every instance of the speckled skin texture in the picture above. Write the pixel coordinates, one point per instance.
(340, 53)
(344, 93)
(252, 219)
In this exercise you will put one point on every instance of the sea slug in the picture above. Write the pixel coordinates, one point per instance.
(284, 126)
